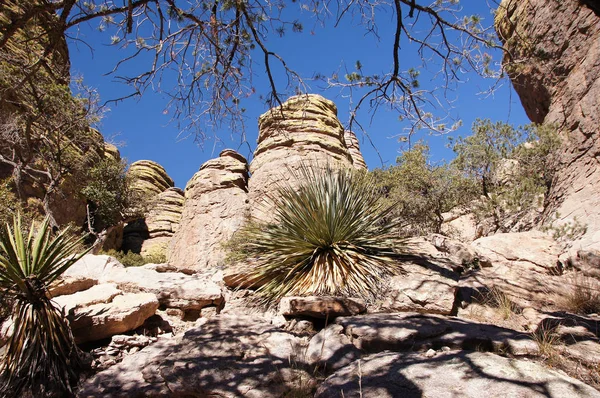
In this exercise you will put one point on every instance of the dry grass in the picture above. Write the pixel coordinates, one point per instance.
(581, 295)
(547, 339)
(496, 298)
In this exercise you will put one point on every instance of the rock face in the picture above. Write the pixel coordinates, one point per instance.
(215, 207)
(354, 149)
(555, 69)
(321, 307)
(227, 356)
(452, 374)
(305, 130)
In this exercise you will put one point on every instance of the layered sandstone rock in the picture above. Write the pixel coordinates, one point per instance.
(215, 207)
(162, 204)
(149, 177)
(162, 220)
(305, 130)
(554, 64)
(354, 149)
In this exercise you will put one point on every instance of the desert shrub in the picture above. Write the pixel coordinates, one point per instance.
(421, 192)
(41, 355)
(131, 259)
(326, 237)
(512, 167)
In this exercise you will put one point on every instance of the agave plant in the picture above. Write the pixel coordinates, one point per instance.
(327, 236)
(41, 355)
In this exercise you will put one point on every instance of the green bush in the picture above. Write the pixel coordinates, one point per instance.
(131, 259)
(41, 355)
(420, 192)
(326, 237)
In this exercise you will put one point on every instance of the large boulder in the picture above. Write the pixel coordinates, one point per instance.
(452, 374)
(172, 289)
(304, 130)
(227, 356)
(552, 56)
(215, 207)
(103, 311)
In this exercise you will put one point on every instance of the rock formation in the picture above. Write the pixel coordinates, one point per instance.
(216, 203)
(354, 149)
(553, 60)
(162, 206)
(305, 130)
(162, 220)
(149, 177)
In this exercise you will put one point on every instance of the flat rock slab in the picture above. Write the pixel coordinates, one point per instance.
(226, 356)
(321, 307)
(453, 374)
(410, 331)
(123, 313)
(531, 247)
(173, 289)
(103, 293)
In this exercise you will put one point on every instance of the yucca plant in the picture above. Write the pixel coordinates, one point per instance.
(328, 235)
(41, 355)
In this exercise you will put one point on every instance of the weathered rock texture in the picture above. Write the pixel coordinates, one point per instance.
(305, 130)
(162, 207)
(162, 220)
(554, 64)
(216, 203)
(453, 374)
(354, 149)
(228, 356)
(149, 177)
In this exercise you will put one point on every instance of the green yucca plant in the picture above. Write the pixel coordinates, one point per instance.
(327, 237)
(41, 355)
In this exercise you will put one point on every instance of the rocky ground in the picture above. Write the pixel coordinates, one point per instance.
(465, 318)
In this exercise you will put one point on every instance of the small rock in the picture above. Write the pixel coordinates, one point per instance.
(430, 353)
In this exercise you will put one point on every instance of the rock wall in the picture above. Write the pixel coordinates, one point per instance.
(216, 205)
(304, 130)
(554, 63)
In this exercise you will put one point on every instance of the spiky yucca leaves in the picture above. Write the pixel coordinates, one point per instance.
(41, 354)
(327, 237)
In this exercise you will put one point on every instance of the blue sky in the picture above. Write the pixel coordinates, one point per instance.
(144, 126)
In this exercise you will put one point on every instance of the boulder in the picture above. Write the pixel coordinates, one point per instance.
(173, 289)
(552, 59)
(215, 207)
(93, 267)
(532, 247)
(71, 284)
(303, 131)
(321, 307)
(331, 349)
(112, 313)
(354, 149)
(450, 374)
(227, 356)
(103, 293)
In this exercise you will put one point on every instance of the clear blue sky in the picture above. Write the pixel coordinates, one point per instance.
(144, 126)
